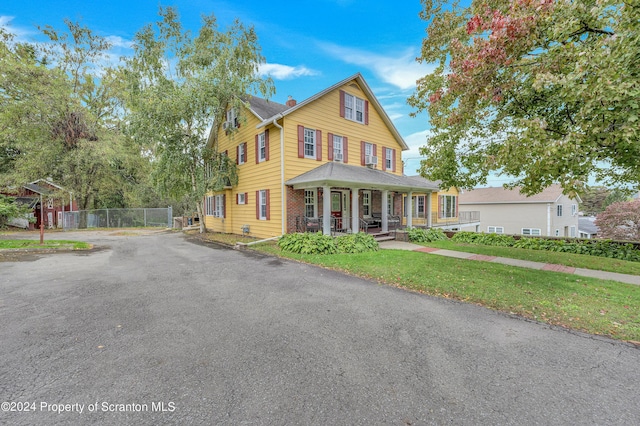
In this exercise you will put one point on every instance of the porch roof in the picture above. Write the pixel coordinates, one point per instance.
(343, 175)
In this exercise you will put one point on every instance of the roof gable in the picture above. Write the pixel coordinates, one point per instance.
(362, 84)
(500, 195)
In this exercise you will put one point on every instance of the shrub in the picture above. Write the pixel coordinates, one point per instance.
(308, 243)
(318, 243)
(420, 235)
(602, 248)
(485, 239)
(356, 243)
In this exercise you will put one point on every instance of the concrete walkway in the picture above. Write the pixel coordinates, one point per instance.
(625, 278)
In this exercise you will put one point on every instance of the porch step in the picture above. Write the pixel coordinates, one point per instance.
(387, 238)
(383, 236)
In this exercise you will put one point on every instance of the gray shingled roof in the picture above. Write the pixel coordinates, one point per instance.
(587, 225)
(265, 109)
(38, 189)
(499, 195)
(344, 175)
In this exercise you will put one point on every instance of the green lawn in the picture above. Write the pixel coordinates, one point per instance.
(48, 244)
(567, 259)
(586, 304)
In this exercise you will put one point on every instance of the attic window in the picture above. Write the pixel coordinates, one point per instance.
(354, 108)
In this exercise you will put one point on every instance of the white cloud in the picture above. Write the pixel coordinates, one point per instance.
(117, 41)
(399, 69)
(285, 72)
(20, 33)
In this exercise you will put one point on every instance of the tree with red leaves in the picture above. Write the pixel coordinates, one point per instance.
(620, 221)
(542, 91)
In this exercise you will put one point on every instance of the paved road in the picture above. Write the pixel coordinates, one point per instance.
(217, 336)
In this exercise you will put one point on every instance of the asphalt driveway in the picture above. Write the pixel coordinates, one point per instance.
(155, 329)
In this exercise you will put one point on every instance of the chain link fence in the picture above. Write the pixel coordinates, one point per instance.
(118, 218)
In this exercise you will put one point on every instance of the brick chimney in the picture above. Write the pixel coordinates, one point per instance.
(291, 102)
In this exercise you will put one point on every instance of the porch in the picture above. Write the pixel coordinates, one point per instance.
(336, 197)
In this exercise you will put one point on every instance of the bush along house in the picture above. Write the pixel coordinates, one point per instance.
(331, 163)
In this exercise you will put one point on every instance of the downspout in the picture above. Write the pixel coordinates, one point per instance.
(282, 191)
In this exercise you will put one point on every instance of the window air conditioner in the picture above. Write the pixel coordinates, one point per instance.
(337, 157)
(226, 125)
(370, 160)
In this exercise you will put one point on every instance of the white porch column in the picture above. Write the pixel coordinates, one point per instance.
(355, 210)
(429, 207)
(409, 210)
(385, 211)
(326, 210)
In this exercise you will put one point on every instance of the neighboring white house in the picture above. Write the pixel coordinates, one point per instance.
(502, 211)
(587, 227)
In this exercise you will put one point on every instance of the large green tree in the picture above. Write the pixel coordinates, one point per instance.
(540, 90)
(59, 113)
(179, 87)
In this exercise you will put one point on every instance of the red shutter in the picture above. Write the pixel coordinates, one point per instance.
(224, 206)
(245, 153)
(246, 198)
(268, 202)
(362, 143)
(342, 103)
(257, 150)
(238, 154)
(456, 212)
(237, 201)
(258, 205)
(300, 141)
(345, 150)
(375, 150)
(384, 158)
(330, 146)
(439, 206)
(319, 145)
(366, 112)
(266, 145)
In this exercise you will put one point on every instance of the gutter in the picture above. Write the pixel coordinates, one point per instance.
(282, 189)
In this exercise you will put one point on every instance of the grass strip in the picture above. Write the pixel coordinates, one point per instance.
(580, 303)
(558, 258)
(48, 244)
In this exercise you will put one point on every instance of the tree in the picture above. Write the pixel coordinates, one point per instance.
(59, 113)
(595, 199)
(620, 221)
(10, 209)
(543, 91)
(179, 87)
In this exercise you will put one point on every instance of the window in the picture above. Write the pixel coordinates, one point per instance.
(447, 208)
(354, 108)
(309, 143)
(310, 204)
(388, 159)
(232, 118)
(390, 203)
(262, 204)
(337, 149)
(242, 153)
(495, 229)
(368, 148)
(574, 209)
(366, 203)
(531, 231)
(559, 210)
(572, 232)
(209, 206)
(420, 206)
(262, 147)
(242, 198)
(218, 206)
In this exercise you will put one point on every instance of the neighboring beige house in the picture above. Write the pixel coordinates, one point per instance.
(502, 211)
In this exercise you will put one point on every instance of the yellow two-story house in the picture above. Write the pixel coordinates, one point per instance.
(332, 162)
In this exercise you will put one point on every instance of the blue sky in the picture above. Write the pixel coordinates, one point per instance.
(308, 45)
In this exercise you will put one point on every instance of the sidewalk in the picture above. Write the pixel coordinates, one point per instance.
(400, 245)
